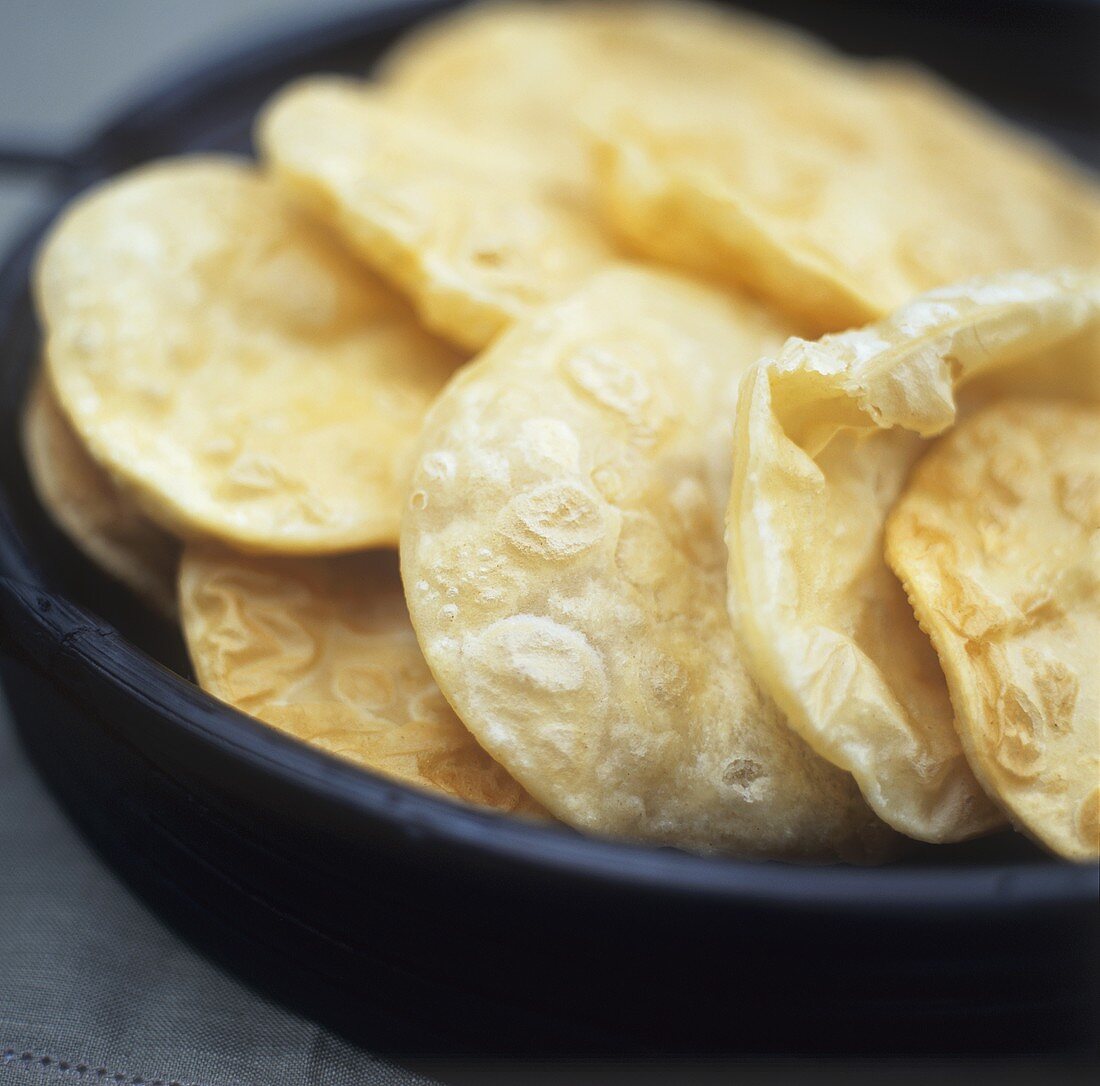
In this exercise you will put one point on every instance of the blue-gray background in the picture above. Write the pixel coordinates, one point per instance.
(66, 64)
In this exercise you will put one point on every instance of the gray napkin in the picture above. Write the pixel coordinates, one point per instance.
(94, 989)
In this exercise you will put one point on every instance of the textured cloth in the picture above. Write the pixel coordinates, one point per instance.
(94, 989)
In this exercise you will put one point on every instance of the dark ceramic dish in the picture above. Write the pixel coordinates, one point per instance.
(419, 924)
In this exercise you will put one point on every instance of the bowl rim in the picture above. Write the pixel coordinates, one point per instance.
(33, 607)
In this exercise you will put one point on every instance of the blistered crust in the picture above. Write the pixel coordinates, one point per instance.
(100, 517)
(825, 436)
(997, 540)
(322, 649)
(563, 562)
(230, 364)
(474, 234)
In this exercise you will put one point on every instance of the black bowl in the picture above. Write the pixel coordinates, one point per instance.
(420, 924)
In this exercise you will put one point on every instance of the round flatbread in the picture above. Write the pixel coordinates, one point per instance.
(322, 649)
(225, 360)
(824, 439)
(531, 77)
(997, 541)
(470, 231)
(100, 518)
(563, 563)
(465, 175)
(836, 190)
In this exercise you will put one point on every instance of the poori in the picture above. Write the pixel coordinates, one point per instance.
(825, 436)
(996, 538)
(229, 363)
(322, 649)
(562, 557)
(100, 518)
